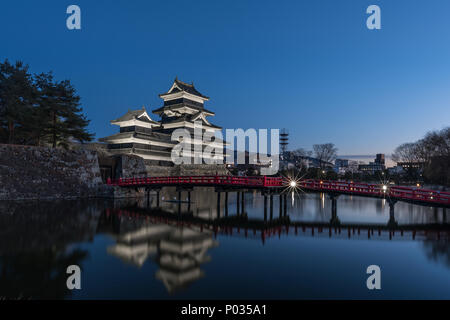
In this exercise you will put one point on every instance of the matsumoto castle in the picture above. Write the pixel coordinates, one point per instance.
(150, 139)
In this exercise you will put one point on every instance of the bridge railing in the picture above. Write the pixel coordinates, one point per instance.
(406, 193)
(343, 186)
(200, 180)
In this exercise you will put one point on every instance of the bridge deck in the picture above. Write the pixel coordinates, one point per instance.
(411, 194)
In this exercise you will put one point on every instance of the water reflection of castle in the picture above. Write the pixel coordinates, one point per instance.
(179, 251)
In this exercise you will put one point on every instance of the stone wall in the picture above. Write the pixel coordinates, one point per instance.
(159, 171)
(131, 166)
(46, 173)
(200, 170)
(188, 170)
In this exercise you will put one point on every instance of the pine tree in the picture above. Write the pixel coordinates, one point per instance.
(16, 95)
(75, 122)
(60, 113)
(48, 109)
(39, 110)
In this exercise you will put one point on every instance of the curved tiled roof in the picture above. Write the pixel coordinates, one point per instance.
(186, 87)
(135, 114)
(179, 106)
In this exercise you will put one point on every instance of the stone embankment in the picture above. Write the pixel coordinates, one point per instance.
(42, 173)
(45, 173)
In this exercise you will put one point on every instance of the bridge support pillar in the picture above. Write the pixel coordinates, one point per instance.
(285, 204)
(238, 206)
(179, 201)
(436, 214)
(271, 206)
(189, 201)
(157, 198)
(334, 217)
(218, 204)
(226, 203)
(243, 202)
(444, 215)
(265, 208)
(392, 223)
(281, 205)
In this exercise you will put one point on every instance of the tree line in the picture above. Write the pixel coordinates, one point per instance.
(427, 158)
(36, 109)
(325, 153)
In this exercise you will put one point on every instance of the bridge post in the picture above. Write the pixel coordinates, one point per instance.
(226, 203)
(189, 201)
(334, 217)
(444, 215)
(285, 204)
(218, 204)
(265, 207)
(243, 202)
(148, 197)
(392, 223)
(281, 205)
(271, 206)
(157, 198)
(238, 206)
(179, 200)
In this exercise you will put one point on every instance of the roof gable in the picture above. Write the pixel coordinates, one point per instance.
(140, 115)
(200, 116)
(179, 86)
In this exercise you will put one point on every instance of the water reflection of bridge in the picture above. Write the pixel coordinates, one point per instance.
(241, 225)
(217, 204)
(269, 213)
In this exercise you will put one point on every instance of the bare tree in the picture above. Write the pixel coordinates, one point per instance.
(300, 152)
(326, 152)
(430, 155)
(407, 152)
(435, 150)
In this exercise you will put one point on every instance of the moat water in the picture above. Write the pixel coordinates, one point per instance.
(132, 249)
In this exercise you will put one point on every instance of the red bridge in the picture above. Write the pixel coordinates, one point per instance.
(412, 194)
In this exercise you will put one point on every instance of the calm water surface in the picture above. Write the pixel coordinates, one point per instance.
(130, 249)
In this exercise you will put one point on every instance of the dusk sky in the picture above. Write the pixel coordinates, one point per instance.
(312, 67)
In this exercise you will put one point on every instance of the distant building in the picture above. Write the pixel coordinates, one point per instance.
(310, 162)
(291, 160)
(411, 165)
(380, 159)
(376, 166)
(341, 163)
(341, 166)
(396, 170)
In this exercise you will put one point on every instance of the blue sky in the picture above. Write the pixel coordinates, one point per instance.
(310, 66)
